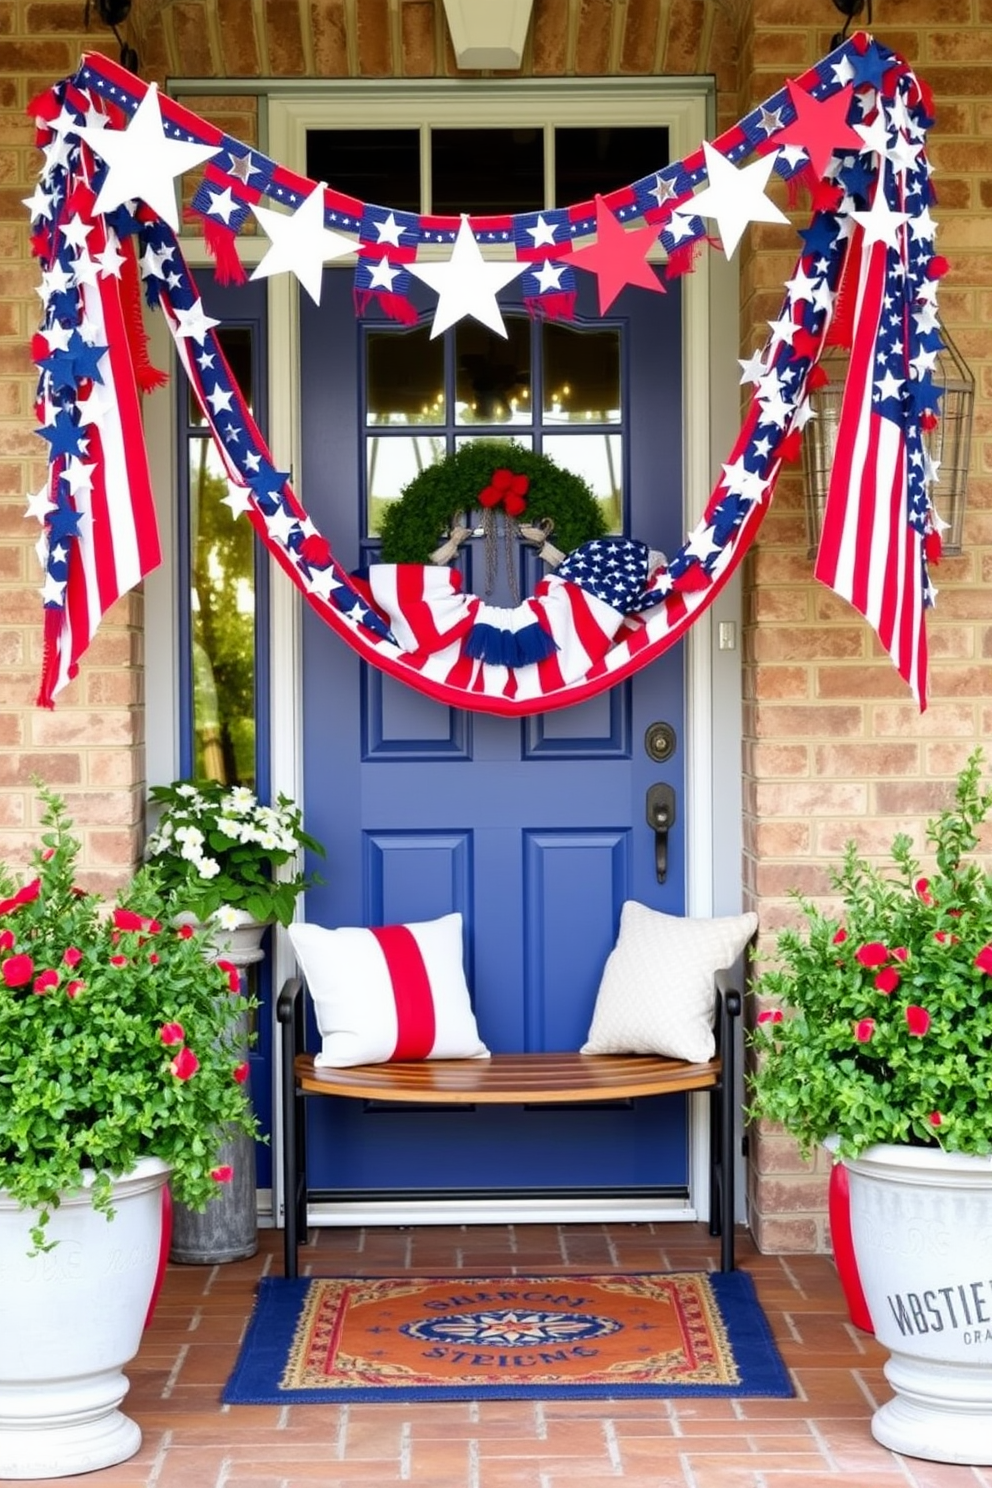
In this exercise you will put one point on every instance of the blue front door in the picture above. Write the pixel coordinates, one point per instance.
(534, 829)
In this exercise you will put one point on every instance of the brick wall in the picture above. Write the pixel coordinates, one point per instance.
(832, 746)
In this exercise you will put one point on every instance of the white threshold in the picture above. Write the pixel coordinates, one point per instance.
(326, 1215)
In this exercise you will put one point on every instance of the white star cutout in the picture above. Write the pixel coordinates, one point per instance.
(300, 243)
(143, 162)
(467, 284)
(735, 197)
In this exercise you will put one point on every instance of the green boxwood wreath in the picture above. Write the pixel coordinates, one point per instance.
(419, 520)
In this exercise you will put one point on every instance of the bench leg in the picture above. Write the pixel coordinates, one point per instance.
(290, 1157)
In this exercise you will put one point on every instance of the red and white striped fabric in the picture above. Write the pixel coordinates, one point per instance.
(118, 541)
(871, 552)
(387, 993)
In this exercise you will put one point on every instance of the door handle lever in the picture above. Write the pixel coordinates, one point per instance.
(661, 818)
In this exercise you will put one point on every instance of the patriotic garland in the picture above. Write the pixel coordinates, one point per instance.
(852, 130)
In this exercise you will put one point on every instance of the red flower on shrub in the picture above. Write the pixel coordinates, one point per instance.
(45, 981)
(872, 954)
(840, 935)
(241, 1071)
(6, 940)
(186, 932)
(72, 957)
(942, 938)
(887, 980)
(917, 1020)
(74, 988)
(23, 896)
(935, 1118)
(901, 953)
(923, 890)
(233, 975)
(770, 1015)
(118, 961)
(864, 1029)
(223, 1174)
(185, 1064)
(984, 960)
(17, 970)
(172, 1033)
(127, 919)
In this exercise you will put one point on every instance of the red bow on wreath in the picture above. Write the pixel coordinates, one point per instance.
(507, 488)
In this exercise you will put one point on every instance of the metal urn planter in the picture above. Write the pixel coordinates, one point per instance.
(921, 1222)
(227, 1230)
(70, 1319)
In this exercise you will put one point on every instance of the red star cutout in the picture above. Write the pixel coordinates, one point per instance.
(618, 257)
(820, 126)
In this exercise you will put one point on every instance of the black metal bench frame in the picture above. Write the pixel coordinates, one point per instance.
(501, 1080)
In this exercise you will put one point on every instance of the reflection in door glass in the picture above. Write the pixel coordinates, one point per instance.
(404, 377)
(492, 373)
(581, 375)
(392, 462)
(598, 459)
(222, 605)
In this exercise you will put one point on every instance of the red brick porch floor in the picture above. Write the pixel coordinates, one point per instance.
(819, 1439)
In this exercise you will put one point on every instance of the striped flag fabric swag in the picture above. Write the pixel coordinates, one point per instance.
(866, 276)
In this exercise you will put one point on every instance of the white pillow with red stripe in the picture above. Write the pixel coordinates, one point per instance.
(387, 993)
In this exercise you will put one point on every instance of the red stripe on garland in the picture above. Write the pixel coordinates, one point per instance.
(415, 1025)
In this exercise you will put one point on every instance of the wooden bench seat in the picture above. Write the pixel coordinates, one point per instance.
(507, 1080)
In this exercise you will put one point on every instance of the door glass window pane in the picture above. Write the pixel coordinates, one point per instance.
(492, 374)
(372, 165)
(598, 458)
(581, 375)
(404, 377)
(487, 171)
(594, 159)
(222, 606)
(391, 463)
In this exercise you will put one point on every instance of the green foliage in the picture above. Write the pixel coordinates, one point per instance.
(119, 1037)
(217, 848)
(882, 1029)
(415, 525)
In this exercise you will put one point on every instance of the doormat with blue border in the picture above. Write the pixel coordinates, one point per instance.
(540, 1337)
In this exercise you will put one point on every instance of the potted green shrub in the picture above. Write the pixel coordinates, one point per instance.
(120, 1060)
(874, 1035)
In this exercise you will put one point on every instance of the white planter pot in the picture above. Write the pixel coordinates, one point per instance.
(921, 1221)
(241, 945)
(70, 1319)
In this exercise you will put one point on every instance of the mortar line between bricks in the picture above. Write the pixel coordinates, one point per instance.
(158, 1461)
(862, 1385)
(905, 1469)
(823, 1445)
(175, 1372)
(341, 1440)
(791, 1276)
(609, 1428)
(794, 1332)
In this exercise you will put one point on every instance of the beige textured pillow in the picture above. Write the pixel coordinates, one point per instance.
(658, 994)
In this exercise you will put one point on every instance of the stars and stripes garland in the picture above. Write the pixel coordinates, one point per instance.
(853, 128)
